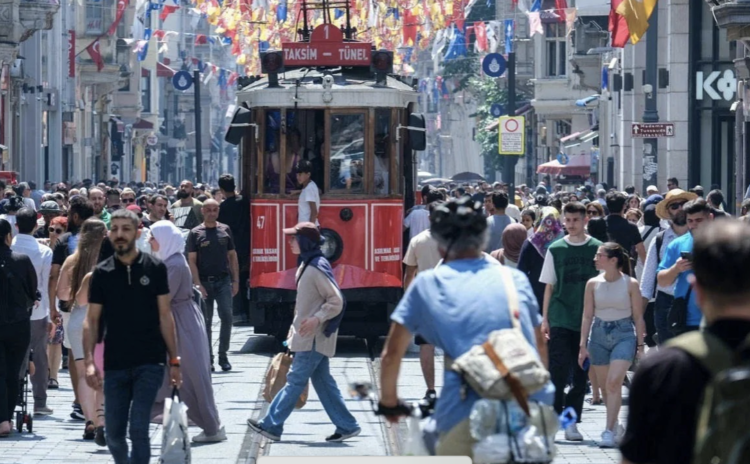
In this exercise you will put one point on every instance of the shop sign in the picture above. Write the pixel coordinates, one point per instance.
(715, 85)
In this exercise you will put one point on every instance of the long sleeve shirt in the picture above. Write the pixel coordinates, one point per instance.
(318, 297)
(41, 257)
(648, 277)
(18, 286)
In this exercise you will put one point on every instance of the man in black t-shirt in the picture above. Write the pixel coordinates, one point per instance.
(234, 211)
(129, 295)
(215, 269)
(667, 391)
(623, 232)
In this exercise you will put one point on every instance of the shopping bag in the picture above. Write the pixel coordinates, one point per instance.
(276, 379)
(175, 444)
(415, 445)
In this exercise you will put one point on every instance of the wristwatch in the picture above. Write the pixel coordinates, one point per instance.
(174, 362)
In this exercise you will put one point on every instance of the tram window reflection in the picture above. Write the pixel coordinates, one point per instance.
(382, 151)
(347, 153)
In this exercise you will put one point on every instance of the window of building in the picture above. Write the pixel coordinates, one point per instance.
(555, 43)
(146, 91)
(95, 16)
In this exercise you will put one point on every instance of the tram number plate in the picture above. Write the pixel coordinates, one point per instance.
(327, 54)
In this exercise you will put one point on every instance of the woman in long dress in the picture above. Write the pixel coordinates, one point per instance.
(197, 392)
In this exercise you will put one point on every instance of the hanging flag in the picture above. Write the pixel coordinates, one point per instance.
(166, 11)
(121, 5)
(493, 35)
(480, 31)
(457, 46)
(509, 28)
(337, 13)
(618, 26)
(372, 14)
(409, 29)
(96, 55)
(560, 7)
(636, 14)
(439, 44)
(281, 11)
(536, 5)
(201, 39)
(535, 23)
(570, 20)
(144, 49)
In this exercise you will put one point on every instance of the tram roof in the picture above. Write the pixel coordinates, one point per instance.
(349, 90)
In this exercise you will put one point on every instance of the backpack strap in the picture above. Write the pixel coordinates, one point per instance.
(659, 242)
(710, 351)
(511, 295)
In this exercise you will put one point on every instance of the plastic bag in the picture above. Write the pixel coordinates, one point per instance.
(492, 449)
(175, 444)
(414, 443)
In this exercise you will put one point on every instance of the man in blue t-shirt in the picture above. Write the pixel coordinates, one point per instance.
(676, 265)
(448, 307)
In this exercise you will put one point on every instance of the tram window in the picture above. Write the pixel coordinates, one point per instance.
(382, 151)
(271, 148)
(310, 125)
(347, 153)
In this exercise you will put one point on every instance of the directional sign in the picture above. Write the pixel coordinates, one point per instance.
(327, 48)
(512, 133)
(182, 80)
(563, 159)
(497, 110)
(494, 65)
(651, 130)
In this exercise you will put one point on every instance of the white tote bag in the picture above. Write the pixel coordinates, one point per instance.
(175, 445)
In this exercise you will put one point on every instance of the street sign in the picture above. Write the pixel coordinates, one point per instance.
(494, 65)
(512, 134)
(327, 48)
(182, 80)
(563, 159)
(497, 110)
(152, 140)
(651, 130)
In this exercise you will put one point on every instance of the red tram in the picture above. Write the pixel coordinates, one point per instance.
(333, 101)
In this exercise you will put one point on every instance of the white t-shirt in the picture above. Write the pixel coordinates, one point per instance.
(423, 252)
(308, 194)
(417, 221)
(548, 275)
(29, 203)
(513, 211)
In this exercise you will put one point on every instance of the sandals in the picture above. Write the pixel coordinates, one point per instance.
(52, 384)
(89, 433)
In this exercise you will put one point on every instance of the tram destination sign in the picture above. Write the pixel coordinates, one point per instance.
(652, 130)
(327, 48)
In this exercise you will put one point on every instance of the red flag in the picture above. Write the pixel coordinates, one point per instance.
(458, 14)
(410, 28)
(167, 10)
(560, 6)
(618, 26)
(201, 39)
(159, 34)
(480, 31)
(236, 48)
(72, 53)
(95, 55)
(121, 6)
(232, 78)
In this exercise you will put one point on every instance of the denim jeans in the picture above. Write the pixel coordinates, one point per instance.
(661, 310)
(563, 348)
(315, 367)
(612, 340)
(219, 291)
(130, 391)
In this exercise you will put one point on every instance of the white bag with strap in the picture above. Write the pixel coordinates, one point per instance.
(506, 366)
(175, 445)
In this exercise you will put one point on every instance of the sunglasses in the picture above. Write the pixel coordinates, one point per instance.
(592, 212)
(52, 230)
(675, 206)
(128, 200)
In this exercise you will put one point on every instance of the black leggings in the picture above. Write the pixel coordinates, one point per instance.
(14, 344)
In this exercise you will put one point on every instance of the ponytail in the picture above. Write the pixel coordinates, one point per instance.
(614, 250)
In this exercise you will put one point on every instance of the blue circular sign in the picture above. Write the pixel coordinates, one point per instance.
(563, 159)
(494, 65)
(182, 80)
(497, 110)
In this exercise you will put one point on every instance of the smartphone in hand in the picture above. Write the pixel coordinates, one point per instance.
(687, 255)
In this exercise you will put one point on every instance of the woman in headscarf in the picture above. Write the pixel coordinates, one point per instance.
(531, 257)
(513, 239)
(197, 392)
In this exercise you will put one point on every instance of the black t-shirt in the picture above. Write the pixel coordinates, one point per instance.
(235, 212)
(130, 310)
(623, 233)
(211, 246)
(665, 399)
(62, 249)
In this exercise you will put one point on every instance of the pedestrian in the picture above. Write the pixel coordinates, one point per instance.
(670, 402)
(192, 217)
(49, 210)
(23, 190)
(308, 206)
(234, 211)
(621, 231)
(13, 206)
(113, 198)
(197, 392)
(41, 325)
(157, 210)
(421, 255)
(514, 237)
(497, 223)
(533, 251)
(18, 290)
(568, 265)
(129, 298)
(468, 284)
(418, 218)
(528, 219)
(612, 331)
(75, 268)
(676, 267)
(98, 199)
(318, 312)
(215, 270)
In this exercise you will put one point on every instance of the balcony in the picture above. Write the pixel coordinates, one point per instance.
(733, 16)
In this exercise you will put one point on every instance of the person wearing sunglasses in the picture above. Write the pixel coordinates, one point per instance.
(49, 210)
(594, 210)
(127, 197)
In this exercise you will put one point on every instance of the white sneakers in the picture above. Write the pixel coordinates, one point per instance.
(572, 433)
(221, 435)
(608, 439)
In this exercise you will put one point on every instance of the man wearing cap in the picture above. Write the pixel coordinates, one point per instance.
(669, 209)
(318, 311)
(676, 265)
(49, 211)
(652, 190)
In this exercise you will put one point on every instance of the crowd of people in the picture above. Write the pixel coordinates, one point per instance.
(99, 279)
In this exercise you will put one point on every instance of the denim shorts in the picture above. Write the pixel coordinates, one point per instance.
(612, 340)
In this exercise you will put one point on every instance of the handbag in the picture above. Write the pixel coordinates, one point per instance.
(677, 315)
(505, 366)
(175, 444)
(276, 379)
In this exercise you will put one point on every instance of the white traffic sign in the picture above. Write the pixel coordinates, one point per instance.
(512, 134)
(152, 140)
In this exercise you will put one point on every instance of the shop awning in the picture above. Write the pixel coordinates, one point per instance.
(579, 165)
(143, 124)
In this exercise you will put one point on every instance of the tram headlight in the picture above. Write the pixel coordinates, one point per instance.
(272, 62)
(333, 246)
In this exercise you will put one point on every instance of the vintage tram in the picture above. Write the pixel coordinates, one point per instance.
(335, 102)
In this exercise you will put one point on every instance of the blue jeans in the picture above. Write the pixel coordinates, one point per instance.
(661, 310)
(315, 367)
(130, 391)
(219, 291)
(612, 340)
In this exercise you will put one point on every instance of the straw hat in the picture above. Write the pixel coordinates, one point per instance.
(662, 208)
